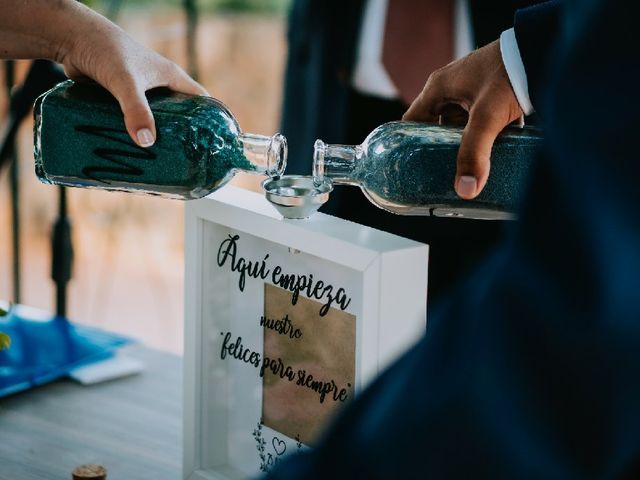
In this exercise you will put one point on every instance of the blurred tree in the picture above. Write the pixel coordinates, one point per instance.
(250, 5)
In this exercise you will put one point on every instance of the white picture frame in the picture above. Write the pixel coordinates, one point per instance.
(383, 279)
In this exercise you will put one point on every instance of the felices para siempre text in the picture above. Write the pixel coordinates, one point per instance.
(228, 251)
(301, 378)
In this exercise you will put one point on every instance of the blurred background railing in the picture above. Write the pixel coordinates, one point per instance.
(128, 249)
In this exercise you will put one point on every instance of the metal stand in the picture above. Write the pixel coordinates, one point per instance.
(62, 254)
(191, 11)
(13, 182)
(41, 77)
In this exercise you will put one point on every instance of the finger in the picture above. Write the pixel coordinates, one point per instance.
(75, 74)
(138, 118)
(185, 84)
(474, 156)
(519, 122)
(426, 107)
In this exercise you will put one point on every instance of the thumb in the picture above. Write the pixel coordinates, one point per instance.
(138, 118)
(474, 156)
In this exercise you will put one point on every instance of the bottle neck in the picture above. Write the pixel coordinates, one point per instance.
(335, 162)
(267, 155)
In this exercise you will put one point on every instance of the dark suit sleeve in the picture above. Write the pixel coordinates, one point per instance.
(536, 30)
(531, 370)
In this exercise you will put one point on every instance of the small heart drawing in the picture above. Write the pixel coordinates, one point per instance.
(278, 445)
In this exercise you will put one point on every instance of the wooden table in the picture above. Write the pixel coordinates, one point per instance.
(132, 426)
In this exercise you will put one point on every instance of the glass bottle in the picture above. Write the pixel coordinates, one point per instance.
(81, 141)
(409, 168)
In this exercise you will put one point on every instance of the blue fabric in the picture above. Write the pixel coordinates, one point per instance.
(531, 370)
(45, 347)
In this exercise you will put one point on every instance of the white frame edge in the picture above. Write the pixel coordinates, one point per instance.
(375, 255)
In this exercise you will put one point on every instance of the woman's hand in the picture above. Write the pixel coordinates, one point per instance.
(477, 86)
(90, 46)
(105, 53)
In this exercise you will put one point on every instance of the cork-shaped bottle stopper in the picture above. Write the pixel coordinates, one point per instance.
(89, 472)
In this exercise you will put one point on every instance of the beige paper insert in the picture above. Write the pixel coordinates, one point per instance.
(325, 350)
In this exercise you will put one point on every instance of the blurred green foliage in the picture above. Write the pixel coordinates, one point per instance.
(221, 6)
(261, 6)
(5, 341)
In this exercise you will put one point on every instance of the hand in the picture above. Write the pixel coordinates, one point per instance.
(479, 86)
(89, 45)
(100, 50)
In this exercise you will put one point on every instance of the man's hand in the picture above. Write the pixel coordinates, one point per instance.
(479, 86)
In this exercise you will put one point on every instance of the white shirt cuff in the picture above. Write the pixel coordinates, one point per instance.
(515, 69)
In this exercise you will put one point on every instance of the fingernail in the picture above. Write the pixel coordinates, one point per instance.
(466, 187)
(145, 137)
